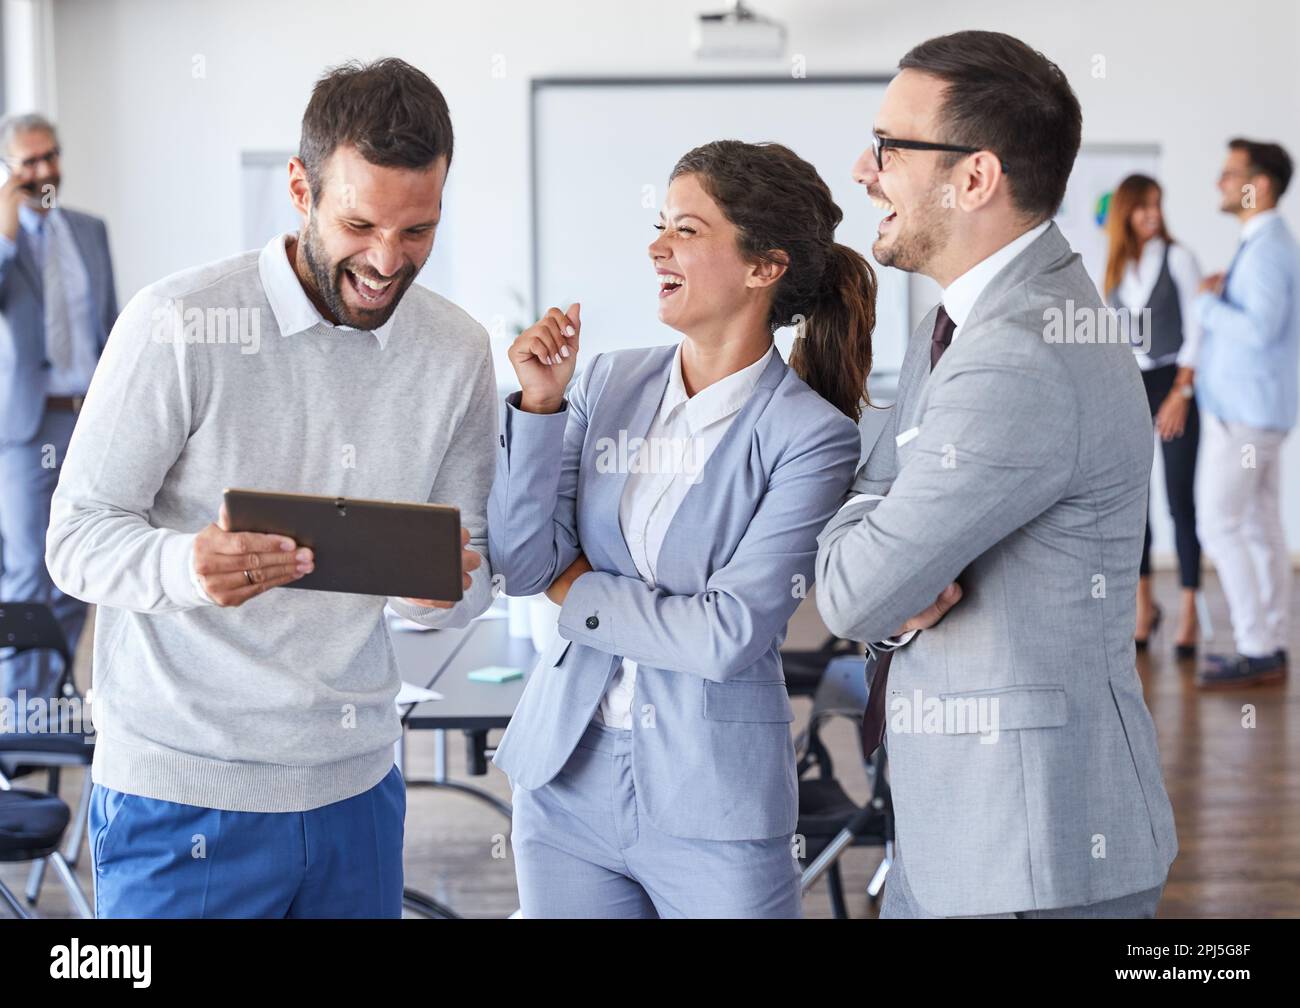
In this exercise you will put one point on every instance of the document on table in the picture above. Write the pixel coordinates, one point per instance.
(411, 694)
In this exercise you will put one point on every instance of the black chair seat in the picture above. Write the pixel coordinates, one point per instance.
(68, 743)
(803, 668)
(31, 824)
(824, 807)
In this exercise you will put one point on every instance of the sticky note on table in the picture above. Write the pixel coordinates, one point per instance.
(496, 674)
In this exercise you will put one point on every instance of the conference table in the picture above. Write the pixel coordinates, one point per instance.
(440, 660)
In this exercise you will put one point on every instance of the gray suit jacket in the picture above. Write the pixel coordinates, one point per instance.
(22, 339)
(712, 755)
(1020, 464)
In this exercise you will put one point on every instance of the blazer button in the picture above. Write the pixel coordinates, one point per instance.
(592, 622)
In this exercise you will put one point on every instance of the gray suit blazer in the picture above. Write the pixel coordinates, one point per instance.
(1022, 755)
(712, 755)
(22, 339)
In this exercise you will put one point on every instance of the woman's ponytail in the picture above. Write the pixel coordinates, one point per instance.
(833, 351)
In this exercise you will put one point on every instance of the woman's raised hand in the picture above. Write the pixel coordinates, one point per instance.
(544, 356)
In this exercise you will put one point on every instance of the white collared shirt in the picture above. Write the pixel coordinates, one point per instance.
(293, 310)
(666, 464)
(959, 297)
(1138, 283)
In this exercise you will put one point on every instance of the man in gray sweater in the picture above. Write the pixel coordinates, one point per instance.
(244, 755)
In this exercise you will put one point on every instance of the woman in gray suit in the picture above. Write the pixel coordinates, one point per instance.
(671, 506)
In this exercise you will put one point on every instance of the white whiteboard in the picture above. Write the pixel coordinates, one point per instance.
(602, 151)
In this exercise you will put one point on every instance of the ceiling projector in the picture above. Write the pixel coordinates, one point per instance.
(738, 32)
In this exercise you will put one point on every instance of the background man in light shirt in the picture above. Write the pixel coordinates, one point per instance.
(244, 761)
(1247, 389)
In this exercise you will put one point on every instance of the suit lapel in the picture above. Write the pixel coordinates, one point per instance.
(84, 249)
(26, 260)
(699, 509)
(1044, 252)
(632, 414)
(915, 372)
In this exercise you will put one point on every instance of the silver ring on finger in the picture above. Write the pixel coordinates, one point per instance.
(248, 577)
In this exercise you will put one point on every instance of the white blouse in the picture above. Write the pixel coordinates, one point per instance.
(662, 470)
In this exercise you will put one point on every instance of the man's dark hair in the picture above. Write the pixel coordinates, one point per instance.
(390, 111)
(1007, 98)
(1267, 159)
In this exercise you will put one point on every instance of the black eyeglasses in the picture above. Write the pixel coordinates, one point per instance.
(879, 144)
(49, 157)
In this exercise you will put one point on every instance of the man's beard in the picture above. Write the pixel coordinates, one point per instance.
(915, 244)
(329, 284)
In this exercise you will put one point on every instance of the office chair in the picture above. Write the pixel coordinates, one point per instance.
(829, 820)
(31, 626)
(803, 669)
(31, 829)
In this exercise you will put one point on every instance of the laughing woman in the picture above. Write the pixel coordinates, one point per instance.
(650, 757)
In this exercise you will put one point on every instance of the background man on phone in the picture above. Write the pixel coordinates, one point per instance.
(244, 764)
(58, 303)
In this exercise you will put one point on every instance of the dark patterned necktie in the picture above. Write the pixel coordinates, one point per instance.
(944, 327)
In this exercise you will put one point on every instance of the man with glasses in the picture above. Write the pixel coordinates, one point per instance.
(58, 304)
(998, 521)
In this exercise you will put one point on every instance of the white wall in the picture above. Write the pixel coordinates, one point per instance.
(26, 59)
(156, 149)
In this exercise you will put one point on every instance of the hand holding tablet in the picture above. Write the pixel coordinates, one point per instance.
(235, 566)
(417, 552)
(469, 561)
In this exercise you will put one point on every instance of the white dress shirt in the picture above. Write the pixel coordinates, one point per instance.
(1139, 281)
(666, 464)
(74, 379)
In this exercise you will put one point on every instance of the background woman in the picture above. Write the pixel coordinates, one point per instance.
(1146, 269)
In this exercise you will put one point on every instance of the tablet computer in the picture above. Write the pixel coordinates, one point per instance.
(364, 547)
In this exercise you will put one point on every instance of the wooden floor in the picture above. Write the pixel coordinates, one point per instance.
(1235, 792)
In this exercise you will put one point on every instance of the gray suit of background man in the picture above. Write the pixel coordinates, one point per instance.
(1015, 463)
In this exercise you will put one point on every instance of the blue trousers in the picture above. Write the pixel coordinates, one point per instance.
(583, 848)
(28, 475)
(162, 859)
